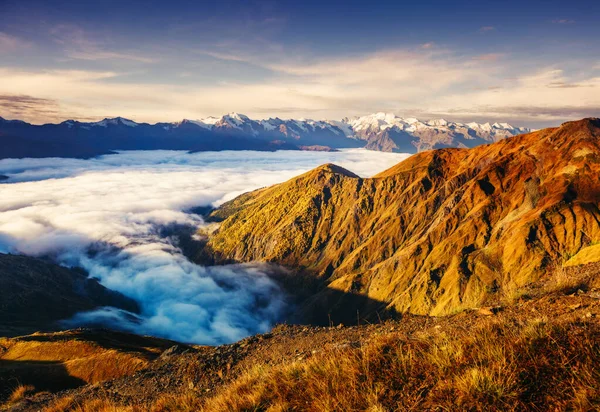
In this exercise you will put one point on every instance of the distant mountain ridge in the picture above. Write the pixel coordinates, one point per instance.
(390, 133)
(380, 131)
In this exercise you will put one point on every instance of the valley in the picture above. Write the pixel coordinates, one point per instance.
(538, 350)
(315, 206)
(455, 277)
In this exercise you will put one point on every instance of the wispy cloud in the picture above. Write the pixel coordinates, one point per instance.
(563, 85)
(9, 43)
(27, 107)
(78, 45)
(486, 29)
(224, 56)
(489, 57)
(548, 95)
(563, 21)
(96, 54)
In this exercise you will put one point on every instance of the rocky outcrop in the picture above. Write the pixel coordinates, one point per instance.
(440, 231)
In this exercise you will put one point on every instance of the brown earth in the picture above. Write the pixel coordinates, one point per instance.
(441, 231)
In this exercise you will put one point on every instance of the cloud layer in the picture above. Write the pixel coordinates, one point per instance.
(111, 215)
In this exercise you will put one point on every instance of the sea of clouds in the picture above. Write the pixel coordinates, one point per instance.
(109, 215)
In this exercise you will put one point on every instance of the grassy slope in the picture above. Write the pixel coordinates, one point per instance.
(442, 231)
(61, 360)
(537, 352)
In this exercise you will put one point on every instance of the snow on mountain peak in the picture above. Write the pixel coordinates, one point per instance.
(210, 120)
(115, 122)
(438, 122)
(380, 126)
(235, 120)
(237, 116)
(200, 123)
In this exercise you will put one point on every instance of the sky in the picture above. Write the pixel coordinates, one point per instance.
(532, 63)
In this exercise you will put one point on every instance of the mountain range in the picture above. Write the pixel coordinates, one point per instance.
(379, 131)
(441, 231)
(487, 258)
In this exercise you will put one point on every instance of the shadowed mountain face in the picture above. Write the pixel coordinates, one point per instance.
(380, 131)
(34, 295)
(441, 231)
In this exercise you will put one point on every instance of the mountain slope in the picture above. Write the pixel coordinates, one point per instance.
(35, 294)
(45, 362)
(441, 231)
(537, 353)
(235, 131)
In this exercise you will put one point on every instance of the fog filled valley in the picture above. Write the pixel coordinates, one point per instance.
(452, 279)
(117, 216)
(282, 206)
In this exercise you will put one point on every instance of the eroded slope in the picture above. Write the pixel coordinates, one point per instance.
(439, 232)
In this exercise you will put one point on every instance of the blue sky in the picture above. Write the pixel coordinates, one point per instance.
(533, 63)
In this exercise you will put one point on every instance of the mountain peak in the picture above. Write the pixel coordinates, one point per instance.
(237, 116)
(588, 122)
(333, 168)
(438, 122)
(381, 131)
(568, 132)
(115, 121)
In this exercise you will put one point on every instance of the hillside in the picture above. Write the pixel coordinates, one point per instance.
(538, 352)
(502, 239)
(442, 231)
(49, 362)
(34, 295)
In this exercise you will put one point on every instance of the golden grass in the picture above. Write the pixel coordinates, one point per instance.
(564, 281)
(48, 361)
(92, 405)
(104, 366)
(586, 255)
(500, 366)
(188, 401)
(18, 394)
(84, 360)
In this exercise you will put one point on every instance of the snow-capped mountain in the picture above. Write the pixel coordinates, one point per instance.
(380, 131)
(233, 131)
(388, 132)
